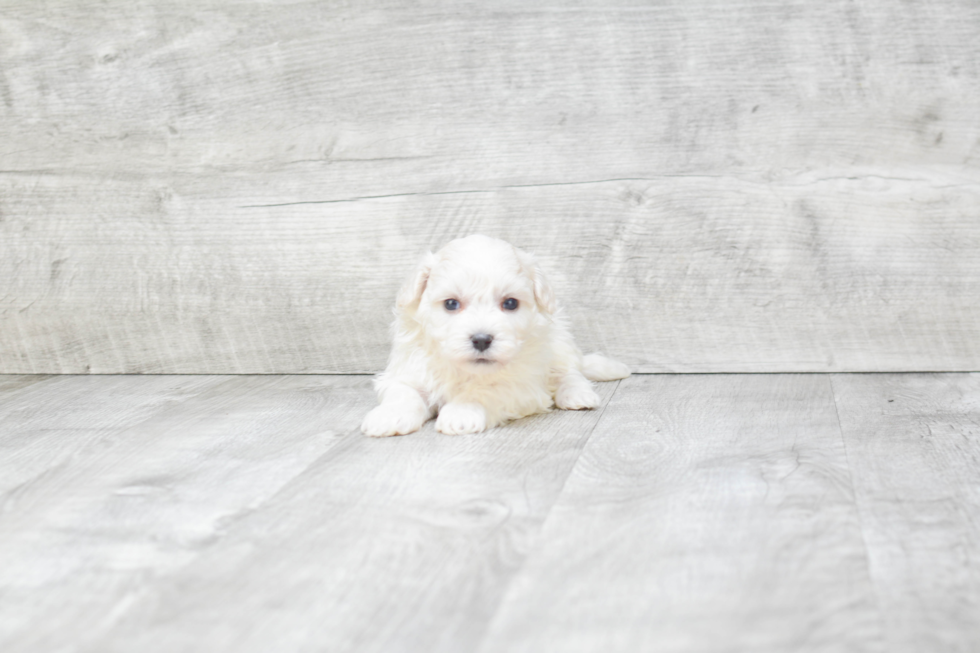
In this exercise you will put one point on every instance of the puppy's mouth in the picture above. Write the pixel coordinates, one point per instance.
(484, 364)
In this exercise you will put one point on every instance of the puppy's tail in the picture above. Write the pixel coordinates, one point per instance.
(596, 367)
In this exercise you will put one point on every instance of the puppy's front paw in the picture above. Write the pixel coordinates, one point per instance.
(386, 420)
(456, 419)
(576, 397)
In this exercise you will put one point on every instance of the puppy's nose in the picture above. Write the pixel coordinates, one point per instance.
(481, 341)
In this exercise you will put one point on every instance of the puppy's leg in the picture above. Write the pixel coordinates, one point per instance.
(401, 411)
(575, 392)
(458, 418)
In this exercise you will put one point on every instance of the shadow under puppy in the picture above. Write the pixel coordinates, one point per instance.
(479, 340)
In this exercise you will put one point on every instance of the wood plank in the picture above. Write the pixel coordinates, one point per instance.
(11, 383)
(238, 188)
(913, 442)
(707, 513)
(702, 274)
(49, 423)
(254, 516)
(510, 91)
(393, 544)
(131, 479)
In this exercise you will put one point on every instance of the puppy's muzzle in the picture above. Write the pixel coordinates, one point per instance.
(481, 341)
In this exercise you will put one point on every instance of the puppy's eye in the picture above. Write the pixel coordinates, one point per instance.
(510, 304)
(451, 304)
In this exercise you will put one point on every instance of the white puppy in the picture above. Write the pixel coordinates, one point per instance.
(478, 340)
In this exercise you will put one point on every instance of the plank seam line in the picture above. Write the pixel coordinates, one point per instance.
(468, 191)
(824, 373)
(544, 521)
(857, 508)
(766, 183)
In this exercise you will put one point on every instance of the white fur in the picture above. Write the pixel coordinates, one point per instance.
(532, 362)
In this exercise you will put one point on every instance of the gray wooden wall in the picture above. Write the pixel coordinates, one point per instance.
(224, 186)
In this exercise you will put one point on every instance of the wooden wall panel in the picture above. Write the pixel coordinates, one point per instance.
(713, 186)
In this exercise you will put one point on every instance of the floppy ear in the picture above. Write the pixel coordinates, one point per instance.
(411, 291)
(543, 293)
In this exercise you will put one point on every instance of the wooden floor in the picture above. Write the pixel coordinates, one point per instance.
(690, 513)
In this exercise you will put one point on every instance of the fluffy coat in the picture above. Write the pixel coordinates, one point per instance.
(479, 340)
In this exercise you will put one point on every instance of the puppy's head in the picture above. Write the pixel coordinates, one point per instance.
(477, 301)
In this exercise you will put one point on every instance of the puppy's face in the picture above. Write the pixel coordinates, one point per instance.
(478, 301)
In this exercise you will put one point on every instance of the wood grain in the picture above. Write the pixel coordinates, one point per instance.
(724, 186)
(9, 383)
(113, 483)
(692, 512)
(697, 275)
(48, 424)
(706, 513)
(914, 444)
(253, 516)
